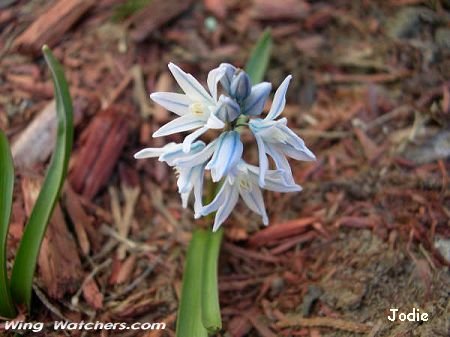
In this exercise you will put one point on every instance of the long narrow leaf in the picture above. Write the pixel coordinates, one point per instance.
(27, 254)
(211, 317)
(7, 308)
(189, 322)
(259, 58)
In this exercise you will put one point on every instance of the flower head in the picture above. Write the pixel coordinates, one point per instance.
(227, 107)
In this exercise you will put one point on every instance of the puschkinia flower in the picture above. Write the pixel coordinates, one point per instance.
(229, 105)
(276, 139)
(243, 182)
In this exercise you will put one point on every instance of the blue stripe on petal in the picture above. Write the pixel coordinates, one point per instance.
(180, 124)
(189, 84)
(254, 104)
(279, 100)
(177, 103)
(227, 155)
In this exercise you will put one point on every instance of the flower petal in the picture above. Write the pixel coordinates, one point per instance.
(228, 154)
(228, 76)
(190, 85)
(214, 122)
(215, 75)
(274, 180)
(150, 152)
(254, 104)
(288, 150)
(180, 124)
(279, 184)
(198, 158)
(229, 202)
(227, 109)
(240, 86)
(177, 103)
(187, 143)
(281, 162)
(184, 181)
(263, 161)
(198, 177)
(217, 201)
(279, 100)
(254, 200)
(175, 152)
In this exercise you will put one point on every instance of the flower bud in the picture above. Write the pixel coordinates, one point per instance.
(254, 103)
(228, 110)
(240, 86)
(229, 72)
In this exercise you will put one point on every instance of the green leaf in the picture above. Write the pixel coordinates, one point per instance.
(189, 322)
(259, 58)
(211, 317)
(27, 254)
(7, 308)
(128, 8)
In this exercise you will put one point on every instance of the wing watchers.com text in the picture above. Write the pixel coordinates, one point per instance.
(84, 326)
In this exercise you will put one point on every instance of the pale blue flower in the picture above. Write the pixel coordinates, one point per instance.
(237, 84)
(195, 107)
(229, 110)
(253, 105)
(243, 181)
(189, 177)
(274, 138)
(240, 86)
(226, 156)
(226, 152)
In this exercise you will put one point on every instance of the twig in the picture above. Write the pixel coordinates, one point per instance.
(95, 271)
(47, 303)
(335, 323)
(125, 241)
(134, 284)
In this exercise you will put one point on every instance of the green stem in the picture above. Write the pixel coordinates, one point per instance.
(211, 317)
(7, 308)
(189, 323)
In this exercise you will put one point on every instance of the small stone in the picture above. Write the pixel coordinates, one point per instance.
(277, 286)
(408, 22)
(211, 23)
(443, 246)
(313, 293)
(442, 38)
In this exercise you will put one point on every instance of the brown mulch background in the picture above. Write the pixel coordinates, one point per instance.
(371, 98)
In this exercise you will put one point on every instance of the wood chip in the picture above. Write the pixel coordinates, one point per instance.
(35, 144)
(280, 231)
(49, 28)
(217, 7)
(263, 330)
(335, 323)
(92, 294)
(79, 217)
(145, 21)
(59, 266)
(104, 139)
(279, 10)
(37, 141)
(164, 83)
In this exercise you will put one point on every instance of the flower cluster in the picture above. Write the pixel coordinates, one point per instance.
(229, 105)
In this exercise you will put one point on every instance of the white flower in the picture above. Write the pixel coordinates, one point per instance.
(276, 139)
(229, 110)
(243, 181)
(189, 177)
(195, 107)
